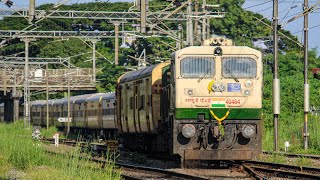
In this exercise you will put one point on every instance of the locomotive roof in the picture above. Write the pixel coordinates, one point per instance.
(141, 73)
(102, 96)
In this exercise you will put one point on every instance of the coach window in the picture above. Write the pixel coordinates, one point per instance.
(239, 67)
(197, 67)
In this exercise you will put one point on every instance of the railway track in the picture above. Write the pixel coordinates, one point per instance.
(309, 156)
(141, 172)
(257, 169)
(135, 172)
(266, 170)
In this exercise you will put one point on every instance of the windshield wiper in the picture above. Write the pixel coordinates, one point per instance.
(229, 72)
(204, 75)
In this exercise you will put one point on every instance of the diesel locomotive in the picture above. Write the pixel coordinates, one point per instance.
(205, 103)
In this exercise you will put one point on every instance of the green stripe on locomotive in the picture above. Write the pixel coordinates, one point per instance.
(236, 113)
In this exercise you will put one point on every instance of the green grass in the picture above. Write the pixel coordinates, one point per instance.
(291, 129)
(20, 153)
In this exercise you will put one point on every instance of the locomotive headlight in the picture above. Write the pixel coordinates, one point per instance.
(222, 87)
(248, 83)
(188, 130)
(215, 87)
(190, 92)
(246, 92)
(248, 131)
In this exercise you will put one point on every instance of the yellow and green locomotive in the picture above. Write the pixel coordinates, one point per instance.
(204, 104)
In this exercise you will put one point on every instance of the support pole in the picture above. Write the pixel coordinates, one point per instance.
(204, 24)
(208, 28)
(196, 23)
(306, 85)
(276, 80)
(189, 25)
(68, 74)
(32, 6)
(116, 43)
(26, 85)
(94, 41)
(143, 16)
(47, 95)
(16, 97)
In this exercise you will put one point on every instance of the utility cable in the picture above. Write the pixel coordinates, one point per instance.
(291, 7)
(257, 5)
(308, 28)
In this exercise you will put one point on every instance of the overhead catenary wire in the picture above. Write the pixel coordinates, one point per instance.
(309, 29)
(257, 4)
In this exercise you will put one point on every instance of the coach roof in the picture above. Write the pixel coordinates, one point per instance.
(141, 73)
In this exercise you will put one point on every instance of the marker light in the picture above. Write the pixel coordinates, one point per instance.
(246, 92)
(188, 130)
(248, 83)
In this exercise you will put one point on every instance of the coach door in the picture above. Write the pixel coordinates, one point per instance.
(136, 107)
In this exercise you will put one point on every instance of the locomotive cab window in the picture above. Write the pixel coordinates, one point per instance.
(197, 67)
(239, 67)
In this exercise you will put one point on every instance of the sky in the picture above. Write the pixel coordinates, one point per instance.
(287, 10)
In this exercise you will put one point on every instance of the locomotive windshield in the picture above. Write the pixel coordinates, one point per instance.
(239, 67)
(197, 67)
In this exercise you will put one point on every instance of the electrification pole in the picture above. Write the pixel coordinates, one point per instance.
(306, 85)
(94, 41)
(32, 7)
(68, 74)
(47, 95)
(116, 43)
(276, 80)
(143, 16)
(189, 25)
(204, 25)
(26, 84)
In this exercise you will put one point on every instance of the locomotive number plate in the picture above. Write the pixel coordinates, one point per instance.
(233, 101)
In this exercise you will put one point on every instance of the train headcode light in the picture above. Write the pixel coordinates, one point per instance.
(217, 51)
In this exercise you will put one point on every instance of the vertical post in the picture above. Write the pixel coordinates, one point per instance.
(196, 22)
(306, 85)
(179, 42)
(68, 130)
(31, 10)
(116, 43)
(94, 41)
(47, 95)
(143, 16)
(204, 26)
(189, 25)
(208, 27)
(276, 80)
(144, 57)
(26, 83)
(16, 97)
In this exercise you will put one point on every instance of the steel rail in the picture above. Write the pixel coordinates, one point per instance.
(262, 170)
(146, 170)
(310, 156)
